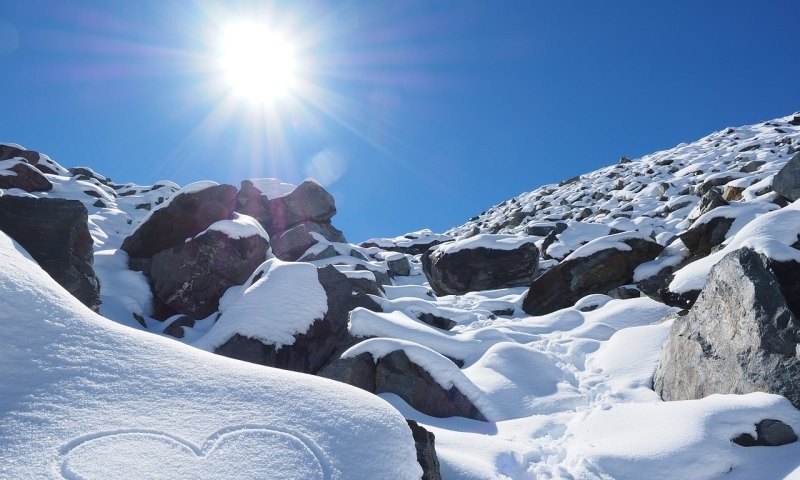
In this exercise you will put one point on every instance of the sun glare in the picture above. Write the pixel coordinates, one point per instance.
(258, 64)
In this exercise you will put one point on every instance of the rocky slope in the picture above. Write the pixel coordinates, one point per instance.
(547, 337)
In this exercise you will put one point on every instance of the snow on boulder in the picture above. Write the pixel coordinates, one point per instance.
(482, 262)
(291, 244)
(190, 211)
(39, 160)
(740, 336)
(712, 228)
(17, 173)
(190, 278)
(423, 378)
(413, 243)
(83, 397)
(596, 267)
(286, 315)
(56, 234)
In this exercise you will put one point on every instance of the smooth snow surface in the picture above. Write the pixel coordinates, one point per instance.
(272, 187)
(491, 242)
(85, 398)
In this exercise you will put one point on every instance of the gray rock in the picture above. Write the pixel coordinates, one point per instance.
(358, 371)
(752, 166)
(571, 280)
(8, 152)
(624, 292)
(709, 201)
(308, 202)
(192, 277)
(25, 177)
(187, 215)
(701, 239)
(55, 233)
(291, 244)
(740, 336)
(425, 443)
(769, 433)
(399, 267)
(473, 269)
(787, 181)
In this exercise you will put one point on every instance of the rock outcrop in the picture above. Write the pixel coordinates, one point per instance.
(55, 233)
(21, 175)
(740, 336)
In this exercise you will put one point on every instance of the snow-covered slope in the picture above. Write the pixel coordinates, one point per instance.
(83, 397)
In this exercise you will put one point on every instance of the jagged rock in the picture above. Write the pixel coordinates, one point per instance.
(55, 233)
(398, 266)
(740, 336)
(314, 348)
(308, 202)
(701, 239)
(8, 152)
(458, 271)
(709, 201)
(752, 166)
(787, 180)
(186, 215)
(425, 443)
(85, 173)
(293, 243)
(573, 279)
(769, 433)
(437, 321)
(25, 177)
(396, 373)
(191, 277)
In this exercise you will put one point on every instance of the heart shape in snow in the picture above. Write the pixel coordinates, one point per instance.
(241, 452)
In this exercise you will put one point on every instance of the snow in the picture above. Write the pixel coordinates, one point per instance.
(83, 397)
(190, 188)
(610, 242)
(284, 301)
(272, 187)
(488, 241)
(241, 226)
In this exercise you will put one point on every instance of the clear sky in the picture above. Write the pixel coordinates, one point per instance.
(414, 114)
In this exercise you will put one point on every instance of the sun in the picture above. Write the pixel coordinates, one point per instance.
(258, 64)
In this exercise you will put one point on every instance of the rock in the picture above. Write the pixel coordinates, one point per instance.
(436, 321)
(399, 266)
(395, 373)
(752, 166)
(25, 177)
(458, 271)
(192, 277)
(174, 329)
(308, 202)
(87, 173)
(709, 201)
(8, 152)
(55, 233)
(314, 348)
(624, 292)
(787, 181)
(425, 443)
(252, 202)
(293, 243)
(700, 239)
(185, 216)
(731, 194)
(358, 371)
(573, 279)
(740, 336)
(769, 433)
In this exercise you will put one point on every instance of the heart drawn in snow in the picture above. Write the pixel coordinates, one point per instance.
(241, 452)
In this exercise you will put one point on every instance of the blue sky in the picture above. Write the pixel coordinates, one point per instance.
(416, 114)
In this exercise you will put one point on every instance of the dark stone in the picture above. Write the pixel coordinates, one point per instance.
(399, 267)
(8, 152)
(701, 239)
(395, 373)
(769, 433)
(473, 269)
(624, 292)
(425, 443)
(571, 280)
(709, 201)
(174, 329)
(293, 243)
(307, 202)
(358, 371)
(26, 178)
(193, 276)
(787, 181)
(87, 173)
(437, 321)
(252, 202)
(752, 166)
(186, 215)
(740, 336)
(55, 233)
(327, 252)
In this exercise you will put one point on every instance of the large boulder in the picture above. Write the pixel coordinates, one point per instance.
(482, 262)
(597, 267)
(291, 244)
(701, 238)
(191, 277)
(19, 174)
(709, 201)
(740, 336)
(308, 202)
(313, 348)
(184, 216)
(787, 181)
(55, 233)
(41, 162)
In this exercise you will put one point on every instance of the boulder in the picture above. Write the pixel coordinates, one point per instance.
(252, 202)
(186, 215)
(358, 371)
(769, 433)
(787, 181)
(578, 276)
(701, 239)
(192, 277)
(398, 266)
(709, 201)
(425, 443)
(293, 243)
(314, 348)
(44, 165)
(455, 271)
(25, 177)
(309, 201)
(55, 233)
(396, 373)
(752, 166)
(740, 336)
